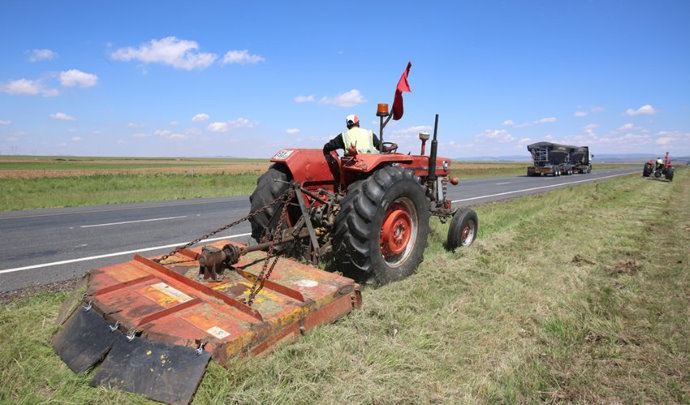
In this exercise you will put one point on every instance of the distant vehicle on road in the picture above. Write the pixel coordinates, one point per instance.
(555, 159)
(659, 168)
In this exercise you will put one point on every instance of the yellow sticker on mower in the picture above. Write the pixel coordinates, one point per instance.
(173, 293)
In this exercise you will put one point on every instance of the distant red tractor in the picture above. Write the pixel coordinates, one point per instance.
(659, 168)
(369, 212)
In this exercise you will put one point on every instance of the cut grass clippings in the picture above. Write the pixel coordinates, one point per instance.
(577, 295)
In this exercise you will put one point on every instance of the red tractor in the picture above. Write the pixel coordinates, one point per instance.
(659, 168)
(368, 213)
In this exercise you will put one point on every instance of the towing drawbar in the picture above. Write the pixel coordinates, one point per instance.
(151, 328)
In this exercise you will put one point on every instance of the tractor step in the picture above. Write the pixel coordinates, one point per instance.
(152, 327)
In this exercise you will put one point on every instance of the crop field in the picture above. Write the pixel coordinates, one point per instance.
(576, 295)
(50, 166)
(31, 182)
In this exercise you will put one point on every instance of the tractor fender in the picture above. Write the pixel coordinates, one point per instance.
(307, 166)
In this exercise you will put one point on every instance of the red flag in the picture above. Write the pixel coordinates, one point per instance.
(402, 86)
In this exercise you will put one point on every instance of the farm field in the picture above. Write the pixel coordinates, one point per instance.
(576, 295)
(34, 182)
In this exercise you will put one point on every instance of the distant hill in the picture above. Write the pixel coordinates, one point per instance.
(603, 158)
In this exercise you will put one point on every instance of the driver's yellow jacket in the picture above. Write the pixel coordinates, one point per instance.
(362, 139)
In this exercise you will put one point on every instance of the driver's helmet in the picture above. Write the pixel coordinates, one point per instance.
(659, 161)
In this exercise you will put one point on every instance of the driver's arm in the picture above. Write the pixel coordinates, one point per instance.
(333, 144)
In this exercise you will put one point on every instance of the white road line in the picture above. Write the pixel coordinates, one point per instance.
(502, 184)
(132, 222)
(129, 252)
(538, 188)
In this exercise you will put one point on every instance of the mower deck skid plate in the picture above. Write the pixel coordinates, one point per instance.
(168, 311)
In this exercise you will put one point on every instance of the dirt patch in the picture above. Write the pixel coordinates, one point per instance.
(230, 169)
(625, 267)
(579, 260)
(62, 286)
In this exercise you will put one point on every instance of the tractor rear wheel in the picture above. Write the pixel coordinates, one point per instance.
(647, 170)
(669, 173)
(382, 227)
(269, 186)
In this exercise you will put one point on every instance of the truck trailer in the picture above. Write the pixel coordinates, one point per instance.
(555, 159)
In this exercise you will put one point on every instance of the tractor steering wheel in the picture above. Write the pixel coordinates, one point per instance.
(389, 147)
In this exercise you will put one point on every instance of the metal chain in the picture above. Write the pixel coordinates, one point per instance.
(224, 227)
(264, 274)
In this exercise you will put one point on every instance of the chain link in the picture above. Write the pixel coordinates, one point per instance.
(228, 226)
(277, 235)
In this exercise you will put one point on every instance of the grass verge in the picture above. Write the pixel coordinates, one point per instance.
(579, 295)
(53, 192)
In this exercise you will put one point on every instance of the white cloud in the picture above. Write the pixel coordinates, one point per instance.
(74, 77)
(589, 129)
(162, 132)
(347, 99)
(292, 131)
(171, 51)
(580, 114)
(200, 117)
(665, 140)
(524, 141)
(225, 126)
(511, 123)
(76, 138)
(644, 110)
(135, 125)
(597, 109)
(626, 127)
(173, 123)
(412, 131)
(305, 99)
(62, 117)
(5, 122)
(36, 55)
(177, 136)
(242, 57)
(218, 127)
(27, 87)
(12, 138)
(500, 135)
(141, 135)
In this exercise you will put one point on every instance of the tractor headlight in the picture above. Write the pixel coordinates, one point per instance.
(445, 166)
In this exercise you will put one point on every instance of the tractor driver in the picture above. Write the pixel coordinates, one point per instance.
(659, 162)
(355, 140)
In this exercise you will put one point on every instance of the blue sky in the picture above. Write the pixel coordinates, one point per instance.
(247, 78)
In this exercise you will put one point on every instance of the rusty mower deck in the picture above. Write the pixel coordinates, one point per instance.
(155, 325)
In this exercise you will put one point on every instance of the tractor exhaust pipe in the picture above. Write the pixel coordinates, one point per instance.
(432, 158)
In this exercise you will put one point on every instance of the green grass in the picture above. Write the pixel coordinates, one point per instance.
(51, 192)
(577, 295)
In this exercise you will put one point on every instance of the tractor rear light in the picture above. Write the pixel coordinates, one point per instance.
(454, 181)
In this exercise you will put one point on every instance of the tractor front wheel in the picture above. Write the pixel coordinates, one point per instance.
(382, 228)
(463, 229)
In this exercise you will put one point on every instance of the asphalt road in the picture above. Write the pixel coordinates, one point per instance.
(44, 246)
